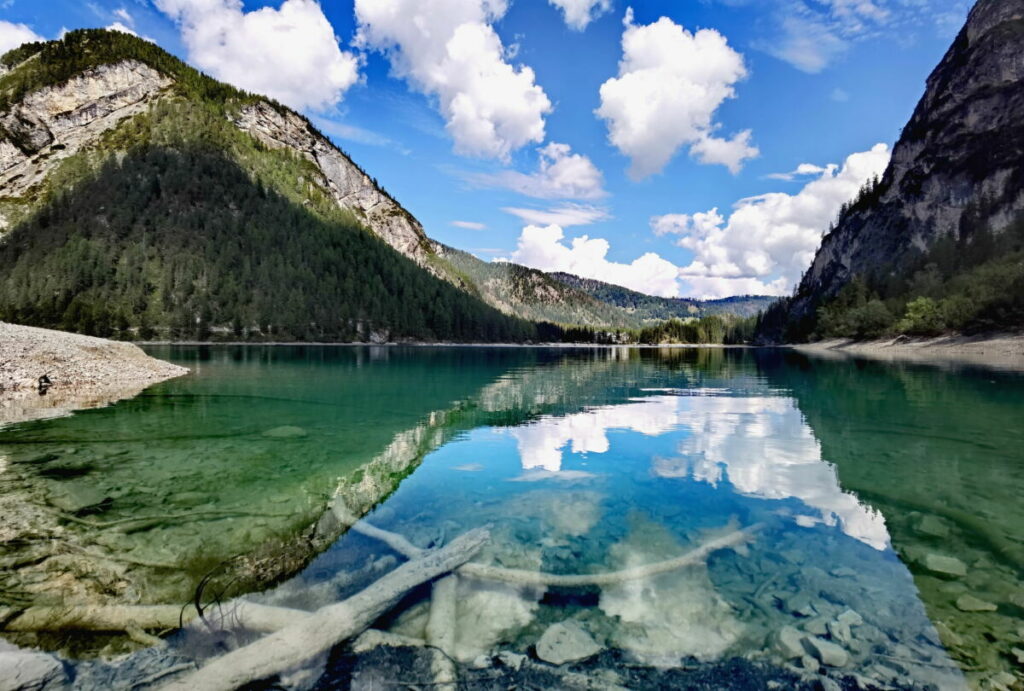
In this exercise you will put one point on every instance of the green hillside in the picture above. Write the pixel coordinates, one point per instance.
(179, 224)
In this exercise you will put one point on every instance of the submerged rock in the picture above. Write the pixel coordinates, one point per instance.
(285, 432)
(77, 498)
(24, 670)
(800, 605)
(512, 660)
(945, 566)
(850, 618)
(969, 603)
(829, 653)
(933, 526)
(488, 613)
(840, 632)
(564, 642)
(788, 642)
(670, 616)
(817, 626)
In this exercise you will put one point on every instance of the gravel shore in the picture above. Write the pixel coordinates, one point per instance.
(84, 372)
(998, 351)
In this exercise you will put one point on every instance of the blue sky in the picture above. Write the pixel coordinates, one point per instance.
(680, 147)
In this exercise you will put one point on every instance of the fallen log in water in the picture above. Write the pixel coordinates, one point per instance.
(401, 545)
(116, 618)
(441, 632)
(320, 631)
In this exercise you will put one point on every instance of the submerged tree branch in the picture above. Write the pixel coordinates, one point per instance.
(330, 625)
(401, 545)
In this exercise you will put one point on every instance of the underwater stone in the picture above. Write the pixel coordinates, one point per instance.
(933, 526)
(188, 498)
(512, 660)
(285, 432)
(74, 498)
(23, 670)
(945, 566)
(817, 626)
(969, 603)
(840, 632)
(800, 605)
(809, 663)
(946, 634)
(788, 642)
(829, 685)
(829, 653)
(566, 642)
(850, 618)
(843, 572)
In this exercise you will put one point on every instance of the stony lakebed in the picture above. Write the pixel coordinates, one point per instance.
(638, 518)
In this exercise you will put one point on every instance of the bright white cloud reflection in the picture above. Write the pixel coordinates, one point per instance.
(761, 444)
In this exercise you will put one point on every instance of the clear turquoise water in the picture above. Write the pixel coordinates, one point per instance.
(857, 475)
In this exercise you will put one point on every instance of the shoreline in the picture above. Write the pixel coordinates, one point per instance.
(1001, 351)
(444, 344)
(80, 372)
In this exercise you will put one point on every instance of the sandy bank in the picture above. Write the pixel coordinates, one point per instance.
(998, 351)
(84, 372)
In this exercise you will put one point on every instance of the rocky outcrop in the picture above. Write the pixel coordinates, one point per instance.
(58, 121)
(960, 160)
(347, 183)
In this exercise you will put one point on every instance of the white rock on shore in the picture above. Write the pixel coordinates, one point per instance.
(84, 371)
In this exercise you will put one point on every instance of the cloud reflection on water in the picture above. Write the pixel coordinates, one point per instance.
(759, 444)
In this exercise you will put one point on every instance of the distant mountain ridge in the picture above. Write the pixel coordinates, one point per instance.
(650, 308)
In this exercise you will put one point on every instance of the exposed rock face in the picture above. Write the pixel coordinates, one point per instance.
(961, 154)
(56, 122)
(351, 187)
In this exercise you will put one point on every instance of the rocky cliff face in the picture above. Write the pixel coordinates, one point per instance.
(961, 155)
(351, 187)
(56, 122)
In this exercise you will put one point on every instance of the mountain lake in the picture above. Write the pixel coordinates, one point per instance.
(743, 518)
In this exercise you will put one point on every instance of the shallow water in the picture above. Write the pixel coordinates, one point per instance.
(855, 478)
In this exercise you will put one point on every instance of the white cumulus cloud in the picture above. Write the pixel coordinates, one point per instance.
(560, 174)
(670, 84)
(768, 240)
(543, 247)
(449, 50)
(579, 13)
(13, 35)
(289, 53)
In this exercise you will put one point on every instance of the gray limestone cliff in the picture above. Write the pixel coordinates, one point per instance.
(960, 157)
(55, 122)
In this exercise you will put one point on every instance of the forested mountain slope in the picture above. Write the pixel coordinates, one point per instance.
(936, 243)
(140, 197)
